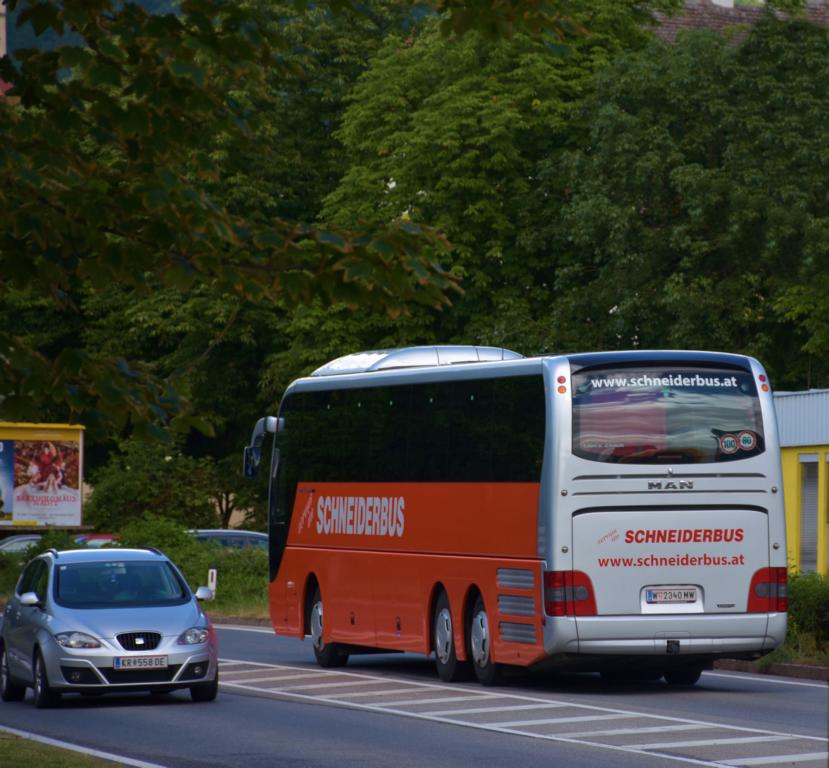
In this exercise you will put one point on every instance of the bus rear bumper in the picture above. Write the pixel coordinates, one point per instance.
(714, 636)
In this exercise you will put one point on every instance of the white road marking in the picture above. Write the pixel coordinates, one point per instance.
(388, 692)
(766, 679)
(554, 720)
(741, 676)
(327, 685)
(269, 677)
(632, 731)
(244, 628)
(524, 702)
(782, 759)
(82, 750)
(442, 700)
(709, 742)
(478, 710)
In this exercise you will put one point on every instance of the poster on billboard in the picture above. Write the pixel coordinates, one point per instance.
(41, 475)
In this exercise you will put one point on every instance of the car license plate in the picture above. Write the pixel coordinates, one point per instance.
(671, 595)
(140, 662)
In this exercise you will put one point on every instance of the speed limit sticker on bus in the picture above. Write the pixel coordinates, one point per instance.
(728, 444)
(747, 440)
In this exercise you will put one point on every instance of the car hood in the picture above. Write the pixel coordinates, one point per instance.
(108, 622)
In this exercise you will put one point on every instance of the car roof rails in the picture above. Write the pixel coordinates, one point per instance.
(53, 551)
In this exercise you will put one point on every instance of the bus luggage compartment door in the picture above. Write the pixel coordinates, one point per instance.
(670, 562)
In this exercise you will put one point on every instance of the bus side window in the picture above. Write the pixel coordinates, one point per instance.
(519, 417)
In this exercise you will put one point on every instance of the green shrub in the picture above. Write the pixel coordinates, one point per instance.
(807, 637)
(10, 566)
(809, 606)
(242, 584)
(151, 477)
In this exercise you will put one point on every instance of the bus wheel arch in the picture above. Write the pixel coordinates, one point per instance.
(311, 586)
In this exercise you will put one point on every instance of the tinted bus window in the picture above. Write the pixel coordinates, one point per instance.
(480, 430)
(674, 414)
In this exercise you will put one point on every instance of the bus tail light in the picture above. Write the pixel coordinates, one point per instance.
(568, 593)
(769, 591)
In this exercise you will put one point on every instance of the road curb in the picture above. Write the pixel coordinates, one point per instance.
(802, 671)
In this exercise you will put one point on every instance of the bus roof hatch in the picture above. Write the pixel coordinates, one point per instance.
(413, 357)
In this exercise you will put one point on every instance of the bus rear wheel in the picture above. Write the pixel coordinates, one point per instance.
(683, 678)
(480, 646)
(450, 669)
(327, 654)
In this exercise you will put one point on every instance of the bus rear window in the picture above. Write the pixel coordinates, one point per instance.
(666, 414)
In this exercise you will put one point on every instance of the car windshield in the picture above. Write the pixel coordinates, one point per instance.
(118, 583)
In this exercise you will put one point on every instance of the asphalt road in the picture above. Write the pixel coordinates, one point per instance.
(277, 708)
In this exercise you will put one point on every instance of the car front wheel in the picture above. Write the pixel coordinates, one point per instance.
(45, 695)
(205, 691)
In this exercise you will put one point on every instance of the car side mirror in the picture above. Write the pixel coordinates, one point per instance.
(204, 593)
(29, 599)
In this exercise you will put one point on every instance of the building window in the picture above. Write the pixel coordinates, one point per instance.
(808, 511)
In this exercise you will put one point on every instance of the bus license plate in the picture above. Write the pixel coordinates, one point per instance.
(140, 662)
(683, 595)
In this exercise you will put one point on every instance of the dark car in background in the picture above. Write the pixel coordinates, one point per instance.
(21, 542)
(232, 537)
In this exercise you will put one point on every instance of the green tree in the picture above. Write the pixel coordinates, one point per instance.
(697, 212)
(105, 177)
(450, 133)
(152, 478)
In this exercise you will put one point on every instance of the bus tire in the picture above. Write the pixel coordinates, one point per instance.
(328, 655)
(450, 669)
(683, 677)
(480, 646)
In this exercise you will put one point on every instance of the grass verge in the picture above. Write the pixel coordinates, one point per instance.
(16, 750)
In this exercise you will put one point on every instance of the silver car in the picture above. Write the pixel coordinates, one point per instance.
(95, 621)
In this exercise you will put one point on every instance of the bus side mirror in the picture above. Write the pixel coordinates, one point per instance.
(253, 452)
(250, 463)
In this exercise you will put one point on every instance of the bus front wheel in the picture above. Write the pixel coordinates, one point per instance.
(480, 646)
(450, 670)
(327, 654)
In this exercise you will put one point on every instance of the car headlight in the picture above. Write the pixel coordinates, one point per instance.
(77, 640)
(193, 636)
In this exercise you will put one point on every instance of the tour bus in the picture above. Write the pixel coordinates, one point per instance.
(617, 512)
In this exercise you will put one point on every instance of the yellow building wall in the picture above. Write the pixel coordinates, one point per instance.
(792, 487)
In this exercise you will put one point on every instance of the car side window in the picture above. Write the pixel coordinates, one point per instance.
(31, 578)
(41, 581)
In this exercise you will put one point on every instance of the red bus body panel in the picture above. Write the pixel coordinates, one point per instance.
(379, 550)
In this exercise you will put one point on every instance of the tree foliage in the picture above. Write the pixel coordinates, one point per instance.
(697, 212)
(108, 174)
(450, 132)
(149, 477)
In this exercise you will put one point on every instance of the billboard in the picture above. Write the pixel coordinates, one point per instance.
(41, 475)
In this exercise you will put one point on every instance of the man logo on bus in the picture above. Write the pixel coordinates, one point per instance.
(728, 444)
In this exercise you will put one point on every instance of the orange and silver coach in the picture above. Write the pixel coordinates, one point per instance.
(619, 512)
